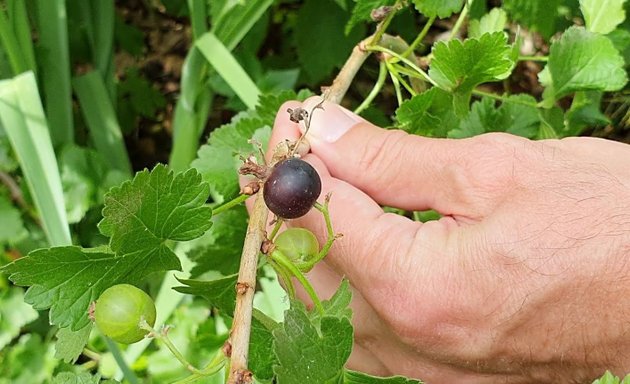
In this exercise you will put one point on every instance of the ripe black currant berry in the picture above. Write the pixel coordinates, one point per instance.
(292, 188)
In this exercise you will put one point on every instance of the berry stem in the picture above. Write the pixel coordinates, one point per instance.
(275, 229)
(284, 262)
(162, 335)
(382, 75)
(226, 206)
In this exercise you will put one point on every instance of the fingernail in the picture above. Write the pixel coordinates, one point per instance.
(331, 122)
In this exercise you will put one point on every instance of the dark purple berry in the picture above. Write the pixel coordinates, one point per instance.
(292, 188)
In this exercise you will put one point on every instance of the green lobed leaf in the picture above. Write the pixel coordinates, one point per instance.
(551, 122)
(352, 377)
(323, 46)
(439, 8)
(620, 38)
(537, 15)
(220, 292)
(261, 356)
(338, 304)
(609, 378)
(223, 253)
(68, 279)
(70, 344)
(80, 378)
(429, 113)
(14, 314)
(218, 161)
(458, 67)
(308, 352)
(311, 347)
(493, 21)
(585, 112)
(362, 10)
(602, 16)
(581, 61)
(139, 216)
(155, 206)
(517, 115)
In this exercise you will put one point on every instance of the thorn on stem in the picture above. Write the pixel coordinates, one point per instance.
(227, 349)
(241, 288)
(243, 376)
(251, 188)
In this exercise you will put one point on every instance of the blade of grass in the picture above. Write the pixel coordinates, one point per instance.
(11, 45)
(22, 117)
(190, 114)
(98, 19)
(22, 29)
(228, 68)
(232, 27)
(191, 111)
(101, 120)
(55, 66)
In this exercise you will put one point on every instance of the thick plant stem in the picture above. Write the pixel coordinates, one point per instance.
(340, 85)
(241, 327)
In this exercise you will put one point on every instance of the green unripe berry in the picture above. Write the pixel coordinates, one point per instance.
(120, 309)
(297, 244)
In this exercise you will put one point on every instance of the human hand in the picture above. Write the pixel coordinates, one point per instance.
(524, 279)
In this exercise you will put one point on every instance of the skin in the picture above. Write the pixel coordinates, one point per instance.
(524, 279)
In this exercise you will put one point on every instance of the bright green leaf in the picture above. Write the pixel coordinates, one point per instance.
(458, 67)
(581, 61)
(14, 314)
(308, 353)
(429, 113)
(218, 161)
(609, 378)
(602, 16)
(261, 356)
(584, 112)
(537, 15)
(79, 378)
(153, 207)
(551, 122)
(68, 279)
(220, 292)
(620, 38)
(493, 21)
(439, 8)
(223, 253)
(517, 115)
(139, 216)
(70, 344)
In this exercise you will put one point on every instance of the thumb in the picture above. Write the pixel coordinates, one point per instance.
(391, 166)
